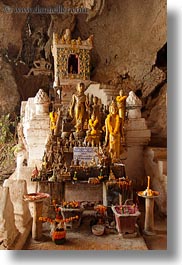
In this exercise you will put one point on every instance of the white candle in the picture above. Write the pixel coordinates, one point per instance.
(148, 186)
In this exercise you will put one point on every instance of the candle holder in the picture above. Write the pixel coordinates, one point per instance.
(149, 197)
(37, 200)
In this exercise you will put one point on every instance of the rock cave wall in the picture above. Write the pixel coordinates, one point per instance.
(129, 51)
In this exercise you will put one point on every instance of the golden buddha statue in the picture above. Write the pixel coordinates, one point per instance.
(79, 106)
(121, 104)
(113, 126)
(93, 125)
(96, 108)
(53, 119)
(93, 133)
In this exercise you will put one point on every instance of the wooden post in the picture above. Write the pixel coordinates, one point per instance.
(37, 225)
(120, 199)
(149, 216)
(104, 190)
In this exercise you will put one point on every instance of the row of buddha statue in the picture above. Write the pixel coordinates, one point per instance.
(90, 124)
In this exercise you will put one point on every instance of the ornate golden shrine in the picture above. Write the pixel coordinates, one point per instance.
(71, 58)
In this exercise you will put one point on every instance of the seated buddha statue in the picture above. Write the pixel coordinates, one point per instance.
(93, 132)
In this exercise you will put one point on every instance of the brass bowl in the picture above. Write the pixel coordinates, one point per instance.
(98, 230)
(154, 194)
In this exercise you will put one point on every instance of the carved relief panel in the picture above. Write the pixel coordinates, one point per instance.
(71, 59)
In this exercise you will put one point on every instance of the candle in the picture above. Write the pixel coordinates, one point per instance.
(148, 186)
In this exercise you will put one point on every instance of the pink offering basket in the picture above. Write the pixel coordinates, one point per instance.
(126, 216)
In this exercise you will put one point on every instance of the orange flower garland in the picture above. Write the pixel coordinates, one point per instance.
(66, 220)
(101, 209)
(59, 218)
(71, 204)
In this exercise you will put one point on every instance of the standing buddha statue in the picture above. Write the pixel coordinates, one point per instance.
(113, 125)
(79, 107)
(121, 104)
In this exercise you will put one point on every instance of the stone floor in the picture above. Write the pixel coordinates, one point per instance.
(158, 241)
(83, 239)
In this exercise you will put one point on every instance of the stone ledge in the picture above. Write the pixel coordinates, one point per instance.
(22, 238)
(160, 153)
(138, 134)
(136, 124)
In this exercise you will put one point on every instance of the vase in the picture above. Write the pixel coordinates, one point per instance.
(59, 236)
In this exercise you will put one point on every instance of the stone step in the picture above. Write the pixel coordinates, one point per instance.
(105, 92)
